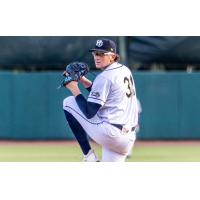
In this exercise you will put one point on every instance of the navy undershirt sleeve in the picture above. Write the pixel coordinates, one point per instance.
(89, 88)
(89, 109)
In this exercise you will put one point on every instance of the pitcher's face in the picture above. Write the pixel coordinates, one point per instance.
(102, 60)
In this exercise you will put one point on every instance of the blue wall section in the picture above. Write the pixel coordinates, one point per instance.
(170, 103)
(190, 106)
(6, 107)
(31, 106)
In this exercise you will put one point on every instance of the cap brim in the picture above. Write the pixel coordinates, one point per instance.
(99, 50)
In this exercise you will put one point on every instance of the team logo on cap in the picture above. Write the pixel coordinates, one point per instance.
(99, 43)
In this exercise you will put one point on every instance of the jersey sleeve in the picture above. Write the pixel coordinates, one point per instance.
(100, 90)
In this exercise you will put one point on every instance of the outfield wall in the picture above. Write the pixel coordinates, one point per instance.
(171, 105)
(31, 106)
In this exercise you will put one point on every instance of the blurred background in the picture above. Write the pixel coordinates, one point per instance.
(165, 69)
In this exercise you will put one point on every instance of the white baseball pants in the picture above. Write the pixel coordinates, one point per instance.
(115, 145)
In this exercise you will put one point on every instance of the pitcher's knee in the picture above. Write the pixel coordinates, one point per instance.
(69, 101)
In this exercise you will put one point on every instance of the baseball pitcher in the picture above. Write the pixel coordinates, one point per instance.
(109, 115)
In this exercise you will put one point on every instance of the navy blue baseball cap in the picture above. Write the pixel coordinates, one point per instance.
(104, 46)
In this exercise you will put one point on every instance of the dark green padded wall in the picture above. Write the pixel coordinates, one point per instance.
(31, 106)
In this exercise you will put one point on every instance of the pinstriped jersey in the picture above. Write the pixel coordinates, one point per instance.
(114, 90)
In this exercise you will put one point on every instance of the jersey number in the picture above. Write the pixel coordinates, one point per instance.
(129, 83)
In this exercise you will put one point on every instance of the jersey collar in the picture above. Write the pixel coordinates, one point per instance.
(113, 66)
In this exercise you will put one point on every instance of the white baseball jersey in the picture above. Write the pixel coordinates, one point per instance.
(114, 89)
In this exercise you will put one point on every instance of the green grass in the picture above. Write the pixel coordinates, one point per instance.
(166, 154)
(40, 153)
(70, 152)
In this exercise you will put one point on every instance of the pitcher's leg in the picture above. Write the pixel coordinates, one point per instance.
(118, 154)
(111, 156)
(108, 136)
(92, 127)
(78, 132)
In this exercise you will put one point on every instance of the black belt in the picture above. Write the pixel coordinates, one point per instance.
(121, 127)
